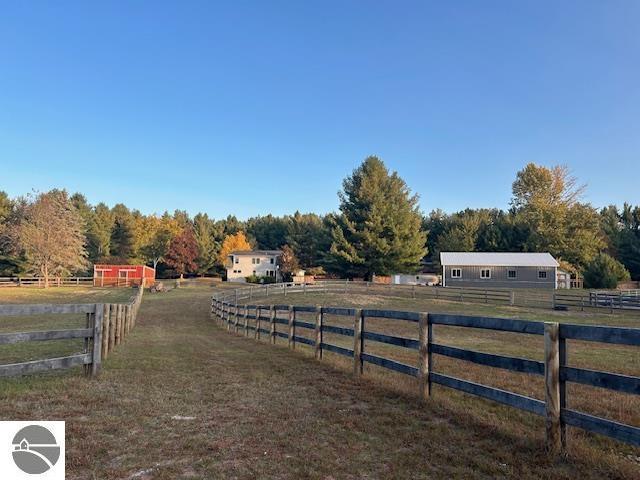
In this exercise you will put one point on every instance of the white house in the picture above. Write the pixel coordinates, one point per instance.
(262, 263)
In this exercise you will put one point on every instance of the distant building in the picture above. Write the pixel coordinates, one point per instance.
(261, 263)
(413, 279)
(122, 275)
(499, 270)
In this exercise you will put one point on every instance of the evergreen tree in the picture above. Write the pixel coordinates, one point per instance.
(269, 232)
(208, 247)
(99, 235)
(604, 271)
(309, 237)
(122, 239)
(379, 228)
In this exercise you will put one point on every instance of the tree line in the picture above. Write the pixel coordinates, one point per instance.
(378, 229)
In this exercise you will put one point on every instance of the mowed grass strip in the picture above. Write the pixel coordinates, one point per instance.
(184, 398)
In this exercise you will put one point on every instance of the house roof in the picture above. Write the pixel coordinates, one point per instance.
(498, 259)
(257, 252)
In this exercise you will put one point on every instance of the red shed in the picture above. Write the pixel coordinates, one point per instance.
(122, 275)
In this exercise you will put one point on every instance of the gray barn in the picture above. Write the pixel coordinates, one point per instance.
(498, 270)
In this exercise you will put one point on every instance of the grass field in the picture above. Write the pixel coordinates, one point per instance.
(22, 352)
(183, 398)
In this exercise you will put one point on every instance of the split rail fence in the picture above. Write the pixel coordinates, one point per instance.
(554, 369)
(107, 324)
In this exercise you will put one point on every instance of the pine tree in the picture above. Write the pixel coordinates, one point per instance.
(379, 228)
(208, 247)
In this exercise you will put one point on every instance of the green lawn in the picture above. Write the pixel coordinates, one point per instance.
(182, 398)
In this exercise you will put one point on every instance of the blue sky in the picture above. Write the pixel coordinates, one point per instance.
(251, 108)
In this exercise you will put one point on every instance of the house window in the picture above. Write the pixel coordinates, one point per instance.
(485, 273)
(456, 273)
(542, 275)
(123, 273)
(511, 274)
(272, 261)
(257, 261)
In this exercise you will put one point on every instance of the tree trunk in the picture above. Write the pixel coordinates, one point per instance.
(46, 276)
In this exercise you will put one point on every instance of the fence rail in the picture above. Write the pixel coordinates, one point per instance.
(106, 327)
(554, 369)
(39, 281)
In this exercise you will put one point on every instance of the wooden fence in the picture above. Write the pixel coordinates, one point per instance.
(554, 369)
(549, 299)
(39, 281)
(106, 327)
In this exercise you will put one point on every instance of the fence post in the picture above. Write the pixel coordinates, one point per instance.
(96, 351)
(112, 326)
(553, 301)
(552, 387)
(292, 328)
(318, 345)
(246, 321)
(272, 330)
(86, 342)
(258, 314)
(424, 360)
(512, 298)
(116, 333)
(106, 320)
(358, 343)
(123, 315)
(129, 318)
(563, 354)
(235, 323)
(611, 304)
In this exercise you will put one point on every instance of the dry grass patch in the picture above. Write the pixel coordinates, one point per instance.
(266, 412)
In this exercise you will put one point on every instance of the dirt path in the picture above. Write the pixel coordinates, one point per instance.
(182, 398)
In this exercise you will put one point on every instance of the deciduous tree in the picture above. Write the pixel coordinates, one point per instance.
(288, 263)
(182, 253)
(49, 232)
(232, 243)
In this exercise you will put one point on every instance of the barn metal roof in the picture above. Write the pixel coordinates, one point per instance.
(498, 259)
